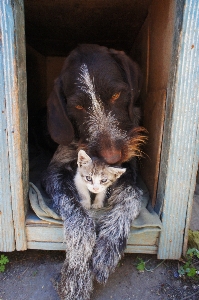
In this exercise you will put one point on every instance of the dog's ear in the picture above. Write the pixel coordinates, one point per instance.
(133, 77)
(59, 126)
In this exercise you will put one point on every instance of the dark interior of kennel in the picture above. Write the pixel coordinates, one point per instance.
(142, 28)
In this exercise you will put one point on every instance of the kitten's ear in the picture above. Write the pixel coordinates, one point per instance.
(83, 158)
(117, 171)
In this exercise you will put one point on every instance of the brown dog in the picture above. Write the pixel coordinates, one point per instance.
(116, 81)
(93, 105)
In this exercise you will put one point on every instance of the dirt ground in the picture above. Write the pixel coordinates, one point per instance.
(32, 274)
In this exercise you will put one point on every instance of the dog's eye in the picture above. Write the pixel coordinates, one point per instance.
(115, 96)
(79, 107)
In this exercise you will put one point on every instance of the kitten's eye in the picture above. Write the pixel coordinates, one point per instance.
(115, 97)
(104, 180)
(79, 107)
(88, 178)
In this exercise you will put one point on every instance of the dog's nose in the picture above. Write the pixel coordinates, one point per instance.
(111, 156)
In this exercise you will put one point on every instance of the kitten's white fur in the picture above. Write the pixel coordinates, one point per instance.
(96, 172)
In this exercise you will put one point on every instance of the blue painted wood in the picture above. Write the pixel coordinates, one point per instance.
(190, 200)
(12, 147)
(43, 235)
(62, 246)
(179, 167)
(6, 223)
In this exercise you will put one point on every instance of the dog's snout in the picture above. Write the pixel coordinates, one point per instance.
(111, 156)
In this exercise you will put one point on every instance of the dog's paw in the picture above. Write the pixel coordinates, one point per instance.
(101, 274)
(100, 271)
(104, 259)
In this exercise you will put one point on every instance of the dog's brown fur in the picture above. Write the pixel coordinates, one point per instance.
(93, 107)
(72, 113)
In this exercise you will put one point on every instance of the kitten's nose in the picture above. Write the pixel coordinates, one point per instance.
(96, 189)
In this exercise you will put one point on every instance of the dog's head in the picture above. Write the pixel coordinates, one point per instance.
(93, 100)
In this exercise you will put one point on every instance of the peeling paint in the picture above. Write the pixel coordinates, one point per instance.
(13, 199)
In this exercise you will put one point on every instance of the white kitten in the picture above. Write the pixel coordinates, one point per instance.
(95, 176)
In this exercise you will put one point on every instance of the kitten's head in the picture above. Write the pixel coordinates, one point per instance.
(96, 174)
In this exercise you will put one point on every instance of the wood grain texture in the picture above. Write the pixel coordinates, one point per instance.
(180, 143)
(61, 246)
(46, 246)
(13, 89)
(141, 249)
(55, 234)
(153, 49)
(47, 236)
(7, 242)
(143, 239)
(154, 112)
(20, 123)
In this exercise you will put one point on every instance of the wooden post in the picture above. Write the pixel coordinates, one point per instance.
(179, 151)
(13, 127)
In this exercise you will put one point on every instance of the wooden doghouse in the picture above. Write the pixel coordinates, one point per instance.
(163, 36)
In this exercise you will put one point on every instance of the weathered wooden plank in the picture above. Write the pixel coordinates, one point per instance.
(6, 223)
(61, 246)
(178, 16)
(19, 144)
(190, 198)
(50, 236)
(141, 249)
(55, 234)
(13, 100)
(180, 158)
(46, 246)
(146, 238)
(154, 111)
(45, 234)
(20, 56)
(153, 49)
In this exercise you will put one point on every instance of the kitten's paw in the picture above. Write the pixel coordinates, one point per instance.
(86, 204)
(97, 205)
